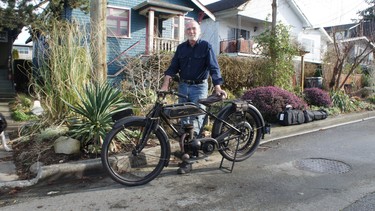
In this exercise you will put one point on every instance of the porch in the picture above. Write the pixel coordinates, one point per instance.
(238, 46)
(164, 45)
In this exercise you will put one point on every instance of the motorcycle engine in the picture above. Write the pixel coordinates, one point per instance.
(208, 147)
(193, 147)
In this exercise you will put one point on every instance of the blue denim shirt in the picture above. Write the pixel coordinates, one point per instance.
(195, 63)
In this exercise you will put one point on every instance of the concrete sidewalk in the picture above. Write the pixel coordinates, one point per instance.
(9, 178)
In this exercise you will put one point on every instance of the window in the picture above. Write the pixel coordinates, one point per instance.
(118, 22)
(308, 45)
(242, 33)
(22, 50)
(176, 26)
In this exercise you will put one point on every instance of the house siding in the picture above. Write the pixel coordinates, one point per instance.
(252, 19)
(138, 31)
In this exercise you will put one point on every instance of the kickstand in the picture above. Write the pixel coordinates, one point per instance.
(234, 159)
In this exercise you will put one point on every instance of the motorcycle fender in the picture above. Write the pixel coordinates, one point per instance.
(252, 107)
(125, 120)
(260, 117)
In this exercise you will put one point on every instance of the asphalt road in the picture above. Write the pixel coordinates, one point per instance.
(326, 170)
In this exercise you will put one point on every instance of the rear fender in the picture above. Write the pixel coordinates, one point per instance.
(229, 107)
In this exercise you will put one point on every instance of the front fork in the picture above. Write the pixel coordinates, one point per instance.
(151, 125)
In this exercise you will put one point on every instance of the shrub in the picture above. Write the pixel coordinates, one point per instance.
(272, 100)
(342, 101)
(21, 108)
(20, 116)
(94, 114)
(241, 73)
(371, 99)
(317, 97)
(142, 79)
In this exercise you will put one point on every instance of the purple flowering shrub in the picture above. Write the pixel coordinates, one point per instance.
(271, 100)
(317, 97)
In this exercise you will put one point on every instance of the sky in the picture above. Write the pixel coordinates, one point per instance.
(25, 34)
(326, 12)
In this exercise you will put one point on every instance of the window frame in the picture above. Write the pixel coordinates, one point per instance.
(308, 44)
(24, 50)
(234, 31)
(176, 27)
(118, 20)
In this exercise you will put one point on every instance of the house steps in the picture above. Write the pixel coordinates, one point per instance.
(7, 90)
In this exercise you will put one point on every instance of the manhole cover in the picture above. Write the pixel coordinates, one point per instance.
(321, 165)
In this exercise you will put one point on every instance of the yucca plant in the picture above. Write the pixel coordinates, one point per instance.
(96, 106)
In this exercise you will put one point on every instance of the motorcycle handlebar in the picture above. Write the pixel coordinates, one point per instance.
(164, 93)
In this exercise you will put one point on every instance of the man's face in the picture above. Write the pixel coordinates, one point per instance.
(192, 31)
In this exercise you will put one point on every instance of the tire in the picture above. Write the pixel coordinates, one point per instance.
(126, 168)
(249, 123)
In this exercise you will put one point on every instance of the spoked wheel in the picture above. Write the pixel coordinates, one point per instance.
(247, 141)
(122, 161)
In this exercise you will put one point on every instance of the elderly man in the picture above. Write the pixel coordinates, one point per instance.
(194, 61)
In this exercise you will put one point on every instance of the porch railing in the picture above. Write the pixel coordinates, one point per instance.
(165, 44)
(237, 46)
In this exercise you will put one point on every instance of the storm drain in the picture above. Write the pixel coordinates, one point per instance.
(322, 165)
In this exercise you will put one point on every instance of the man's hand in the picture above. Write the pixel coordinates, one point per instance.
(165, 85)
(220, 92)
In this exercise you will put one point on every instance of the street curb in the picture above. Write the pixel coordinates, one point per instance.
(57, 172)
(330, 122)
(83, 168)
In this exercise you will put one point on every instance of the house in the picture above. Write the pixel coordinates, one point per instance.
(24, 48)
(238, 22)
(359, 36)
(7, 38)
(7, 90)
(24, 51)
(144, 27)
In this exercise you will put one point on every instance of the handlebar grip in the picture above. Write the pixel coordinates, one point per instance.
(181, 95)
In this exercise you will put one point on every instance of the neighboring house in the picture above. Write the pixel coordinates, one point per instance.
(238, 22)
(144, 27)
(361, 46)
(359, 35)
(21, 44)
(24, 51)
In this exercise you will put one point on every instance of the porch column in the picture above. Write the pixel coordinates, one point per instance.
(150, 44)
(238, 34)
(302, 53)
(181, 28)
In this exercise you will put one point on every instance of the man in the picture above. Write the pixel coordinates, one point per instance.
(194, 61)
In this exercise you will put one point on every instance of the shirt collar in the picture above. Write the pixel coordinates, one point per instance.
(188, 44)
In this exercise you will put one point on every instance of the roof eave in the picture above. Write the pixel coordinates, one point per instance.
(204, 9)
(157, 4)
(299, 12)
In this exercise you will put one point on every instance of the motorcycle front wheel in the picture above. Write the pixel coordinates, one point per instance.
(126, 164)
